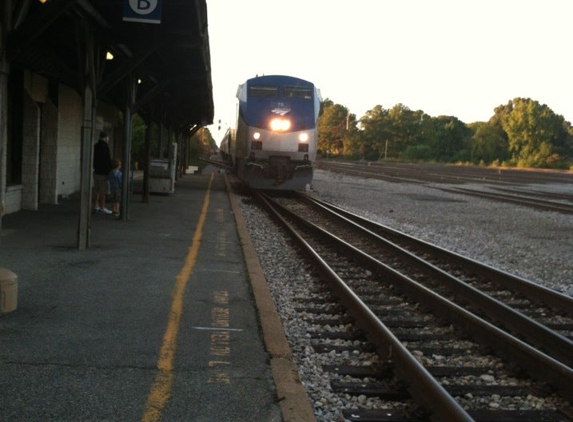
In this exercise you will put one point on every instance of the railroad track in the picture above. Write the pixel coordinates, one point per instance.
(503, 182)
(467, 279)
(417, 336)
(518, 198)
(563, 197)
(394, 171)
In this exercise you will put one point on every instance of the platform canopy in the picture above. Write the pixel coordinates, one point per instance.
(166, 51)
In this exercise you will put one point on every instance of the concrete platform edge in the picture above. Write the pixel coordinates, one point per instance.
(293, 399)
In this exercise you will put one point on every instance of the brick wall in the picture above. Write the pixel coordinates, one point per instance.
(70, 122)
(52, 143)
(30, 153)
(49, 155)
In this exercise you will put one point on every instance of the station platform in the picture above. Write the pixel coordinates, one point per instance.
(166, 317)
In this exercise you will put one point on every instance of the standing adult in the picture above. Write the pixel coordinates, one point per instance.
(102, 167)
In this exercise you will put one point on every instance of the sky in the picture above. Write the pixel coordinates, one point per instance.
(459, 58)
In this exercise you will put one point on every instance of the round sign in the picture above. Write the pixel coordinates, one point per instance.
(143, 7)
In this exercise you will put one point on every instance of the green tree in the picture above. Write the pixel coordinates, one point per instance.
(325, 104)
(201, 143)
(394, 133)
(406, 128)
(534, 131)
(565, 147)
(335, 127)
(451, 140)
(137, 135)
(138, 152)
(489, 143)
(501, 113)
(376, 131)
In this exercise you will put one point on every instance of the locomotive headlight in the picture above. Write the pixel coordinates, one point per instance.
(303, 137)
(280, 124)
(256, 135)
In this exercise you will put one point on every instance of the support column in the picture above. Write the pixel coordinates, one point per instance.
(162, 146)
(88, 127)
(5, 28)
(131, 90)
(84, 228)
(4, 72)
(148, 136)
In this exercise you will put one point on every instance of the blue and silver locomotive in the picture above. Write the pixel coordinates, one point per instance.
(274, 143)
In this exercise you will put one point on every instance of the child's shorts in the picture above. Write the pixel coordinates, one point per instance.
(115, 196)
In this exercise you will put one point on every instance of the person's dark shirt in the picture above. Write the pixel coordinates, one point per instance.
(102, 158)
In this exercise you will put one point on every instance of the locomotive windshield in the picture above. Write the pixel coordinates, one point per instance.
(263, 91)
(298, 92)
(272, 91)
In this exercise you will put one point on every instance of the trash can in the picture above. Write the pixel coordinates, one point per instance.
(8, 291)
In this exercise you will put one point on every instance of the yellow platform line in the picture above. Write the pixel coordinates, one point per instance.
(161, 390)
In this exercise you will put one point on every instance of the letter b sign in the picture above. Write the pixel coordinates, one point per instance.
(142, 11)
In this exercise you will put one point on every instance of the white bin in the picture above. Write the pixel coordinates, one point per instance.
(8, 291)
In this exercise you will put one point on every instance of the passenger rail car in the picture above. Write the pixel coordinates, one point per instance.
(274, 143)
(224, 147)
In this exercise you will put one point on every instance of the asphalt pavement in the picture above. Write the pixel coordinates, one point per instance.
(161, 319)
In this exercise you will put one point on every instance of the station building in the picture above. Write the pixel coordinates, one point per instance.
(70, 69)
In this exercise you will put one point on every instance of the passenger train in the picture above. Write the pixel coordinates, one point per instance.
(273, 145)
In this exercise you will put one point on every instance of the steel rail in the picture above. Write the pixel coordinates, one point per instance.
(551, 342)
(537, 364)
(536, 292)
(537, 193)
(420, 383)
(450, 174)
(514, 199)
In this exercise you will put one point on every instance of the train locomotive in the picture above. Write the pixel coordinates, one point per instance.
(273, 145)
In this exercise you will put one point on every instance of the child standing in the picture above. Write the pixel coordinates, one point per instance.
(114, 178)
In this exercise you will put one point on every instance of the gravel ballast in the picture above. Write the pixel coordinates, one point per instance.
(532, 244)
(536, 245)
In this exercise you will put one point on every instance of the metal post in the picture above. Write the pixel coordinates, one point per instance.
(5, 27)
(145, 189)
(131, 86)
(4, 71)
(89, 97)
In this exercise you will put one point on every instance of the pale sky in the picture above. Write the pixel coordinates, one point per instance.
(445, 57)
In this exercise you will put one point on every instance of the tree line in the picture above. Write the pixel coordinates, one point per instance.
(200, 144)
(522, 133)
